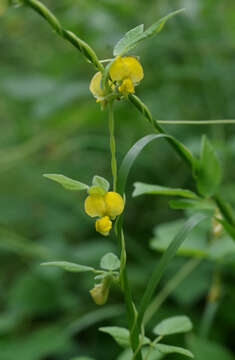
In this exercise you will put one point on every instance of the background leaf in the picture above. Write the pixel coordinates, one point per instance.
(110, 262)
(66, 182)
(173, 325)
(142, 188)
(68, 266)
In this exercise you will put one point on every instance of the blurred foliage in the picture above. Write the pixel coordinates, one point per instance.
(51, 124)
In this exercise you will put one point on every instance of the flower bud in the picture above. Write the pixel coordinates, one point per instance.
(103, 225)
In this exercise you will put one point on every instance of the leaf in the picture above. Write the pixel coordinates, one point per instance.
(221, 248)
(99, 181)
(196, 244)
(120, 335)
(142, 188)
(82, 358)
(129, 38)
(127, 354)
(208, 350)
(173, 325)
(110, 262)
(66, 182)
(68, 266)
(133, 37)
(165, 260)
(131, 156)
(193, 204)
(169, 349)
(208, 171)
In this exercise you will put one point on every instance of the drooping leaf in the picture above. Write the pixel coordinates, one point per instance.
(142, 189)
(66, 182)
(131, 156)
(68, 266)
(169, 349)
(208, 171)
(134, 36)
(120, 335)
(165, 260)
(173, 325)
(110, 262)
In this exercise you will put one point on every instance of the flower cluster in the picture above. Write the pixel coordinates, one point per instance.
(124, 72)
(105, 206)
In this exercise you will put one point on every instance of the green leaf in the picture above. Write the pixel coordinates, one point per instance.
(209, 350)
(96, 190)
(196, 244)
(99, 181)
(120, 335)
(129, 38)
(127, 354)
(208, 171)
(193, 204)
(133, 37)
(169, 349)
(165, 260)
(68, 266)
(142, 188)
(131, 156)
(173, 325)
(66, 182)
(221, 248)
(110, 262)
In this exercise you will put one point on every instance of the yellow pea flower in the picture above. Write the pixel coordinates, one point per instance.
(128, 71)
(103, 225)
(95, 86)
(114, 204)
(106, 206)
(95, 205)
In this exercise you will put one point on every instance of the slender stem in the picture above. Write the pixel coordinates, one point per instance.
(197, 122)
(112, 146)
(152, 345)
(81, 45)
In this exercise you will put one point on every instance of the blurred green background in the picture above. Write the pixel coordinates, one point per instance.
(51, 124)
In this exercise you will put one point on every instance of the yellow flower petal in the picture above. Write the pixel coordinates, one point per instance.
(95, 205)
(126, 87)
(95, 87)
(114, 204)
(126, 67)
(103, 225)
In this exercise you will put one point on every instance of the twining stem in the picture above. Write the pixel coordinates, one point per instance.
(81, 45)
(112, 146)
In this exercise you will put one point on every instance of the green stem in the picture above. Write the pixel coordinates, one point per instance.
(197, 122)
(81, 45)
(112, 146)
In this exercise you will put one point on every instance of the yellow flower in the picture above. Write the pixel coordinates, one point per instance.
(114, 204)
(103, 225)
(128, 71)
(95, 205)
(95, 86)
